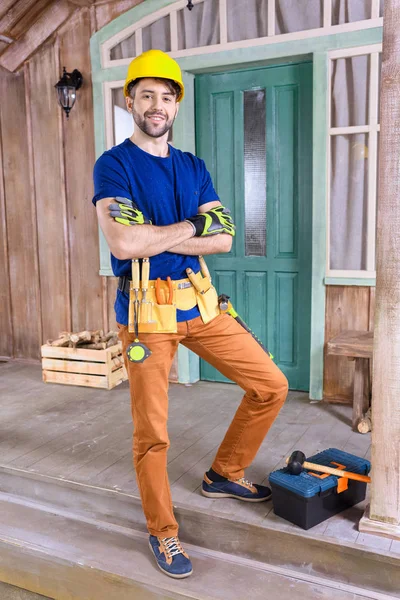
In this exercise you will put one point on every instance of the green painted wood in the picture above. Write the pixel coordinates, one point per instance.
(253, 56)
(188, 366)
(271, 292)
(184, 132)
(184, 138)
(370, 282)
(129, 17)
(320, 174)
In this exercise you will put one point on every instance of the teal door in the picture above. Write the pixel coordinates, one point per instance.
(253, 129)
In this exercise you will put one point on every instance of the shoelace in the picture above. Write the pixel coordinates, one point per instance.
(172, 546)
(245, 481)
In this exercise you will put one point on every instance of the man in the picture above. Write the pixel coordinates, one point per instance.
(169, 198)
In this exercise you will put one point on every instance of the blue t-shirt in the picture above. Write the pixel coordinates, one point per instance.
(167, 190)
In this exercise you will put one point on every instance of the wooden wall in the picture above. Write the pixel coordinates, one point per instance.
(346, 308)
(49, 255)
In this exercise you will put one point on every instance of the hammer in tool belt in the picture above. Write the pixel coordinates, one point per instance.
(201, 282)
(225, 306)
(297, 462)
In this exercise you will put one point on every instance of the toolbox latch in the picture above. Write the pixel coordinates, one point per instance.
(342, 484)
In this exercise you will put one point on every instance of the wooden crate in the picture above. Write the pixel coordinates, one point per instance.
(80, 366)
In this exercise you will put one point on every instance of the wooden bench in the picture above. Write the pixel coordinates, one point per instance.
(357, 346)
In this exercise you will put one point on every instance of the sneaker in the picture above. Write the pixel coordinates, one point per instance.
(170, 556)
(242, 489)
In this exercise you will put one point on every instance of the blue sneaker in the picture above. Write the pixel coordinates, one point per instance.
(170, 556)
(242, 489)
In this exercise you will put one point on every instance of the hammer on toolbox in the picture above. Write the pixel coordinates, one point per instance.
(297, 462)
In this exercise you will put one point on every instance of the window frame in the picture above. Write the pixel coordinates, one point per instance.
(172, 9)
(372, 129)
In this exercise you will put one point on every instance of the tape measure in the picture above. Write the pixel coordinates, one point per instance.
(137, 352)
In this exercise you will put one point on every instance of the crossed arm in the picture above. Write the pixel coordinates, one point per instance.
(148, 240)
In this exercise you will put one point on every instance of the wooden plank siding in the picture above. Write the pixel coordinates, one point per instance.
(6, 339)
(347, 308)
(50, 194)
(49, 251)
(19, 257)
(83, 242)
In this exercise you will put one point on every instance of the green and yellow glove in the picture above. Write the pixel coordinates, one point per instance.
(214, 221)
(126, 212)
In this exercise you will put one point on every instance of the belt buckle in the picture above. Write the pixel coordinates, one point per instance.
(184, 285)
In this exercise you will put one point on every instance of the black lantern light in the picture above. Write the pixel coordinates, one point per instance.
(190, 5)
(66, 89)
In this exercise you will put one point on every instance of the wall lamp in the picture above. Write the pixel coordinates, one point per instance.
(190, 5)
(66, 89)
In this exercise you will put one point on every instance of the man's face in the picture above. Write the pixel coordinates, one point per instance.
(153, 107)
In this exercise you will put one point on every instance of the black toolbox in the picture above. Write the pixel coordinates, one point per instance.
(310, 498)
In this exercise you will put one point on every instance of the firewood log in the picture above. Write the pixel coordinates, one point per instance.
(365, 424)
(97, 336)
(112, 341)
(117, 361)
(81, 336)
(110, 335)
(60, 342)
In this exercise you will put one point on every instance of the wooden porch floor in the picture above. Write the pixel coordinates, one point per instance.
(84, 435)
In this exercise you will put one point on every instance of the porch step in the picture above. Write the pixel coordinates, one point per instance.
(66, 540)
(61, 557)
(10, 592)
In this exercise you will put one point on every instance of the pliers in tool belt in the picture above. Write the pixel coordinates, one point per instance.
(170, 291)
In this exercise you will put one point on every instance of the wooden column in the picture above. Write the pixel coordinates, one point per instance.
(384, 513)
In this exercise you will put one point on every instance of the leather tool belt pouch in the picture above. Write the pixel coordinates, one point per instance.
(207, 297)
(160, 317)
(154, 317)
(208, 304)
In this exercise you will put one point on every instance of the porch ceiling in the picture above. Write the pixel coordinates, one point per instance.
(26, 24)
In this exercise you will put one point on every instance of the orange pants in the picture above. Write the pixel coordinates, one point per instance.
(234, 352)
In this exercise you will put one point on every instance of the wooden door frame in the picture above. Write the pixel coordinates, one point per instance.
(311, 48)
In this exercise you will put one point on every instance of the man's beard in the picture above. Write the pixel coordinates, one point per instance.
(148, 128)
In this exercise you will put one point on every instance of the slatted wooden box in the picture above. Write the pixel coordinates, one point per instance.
(81, 366)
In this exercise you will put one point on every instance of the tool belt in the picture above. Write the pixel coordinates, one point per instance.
(157, 313)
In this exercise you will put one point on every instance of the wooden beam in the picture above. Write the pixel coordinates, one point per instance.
(3, 46)
(385, 485)
(14, 14)
(21, 17)
(14, 56)
(5, 6)
(81, 2)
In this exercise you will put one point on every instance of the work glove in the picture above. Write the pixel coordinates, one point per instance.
(214, 221)
(126, 212)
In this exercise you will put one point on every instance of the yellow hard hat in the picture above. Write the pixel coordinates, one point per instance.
(155, 63)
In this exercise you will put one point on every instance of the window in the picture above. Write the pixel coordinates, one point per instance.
(213, 23)
(353, 159)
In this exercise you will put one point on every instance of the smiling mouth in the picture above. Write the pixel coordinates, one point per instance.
(156, 118)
